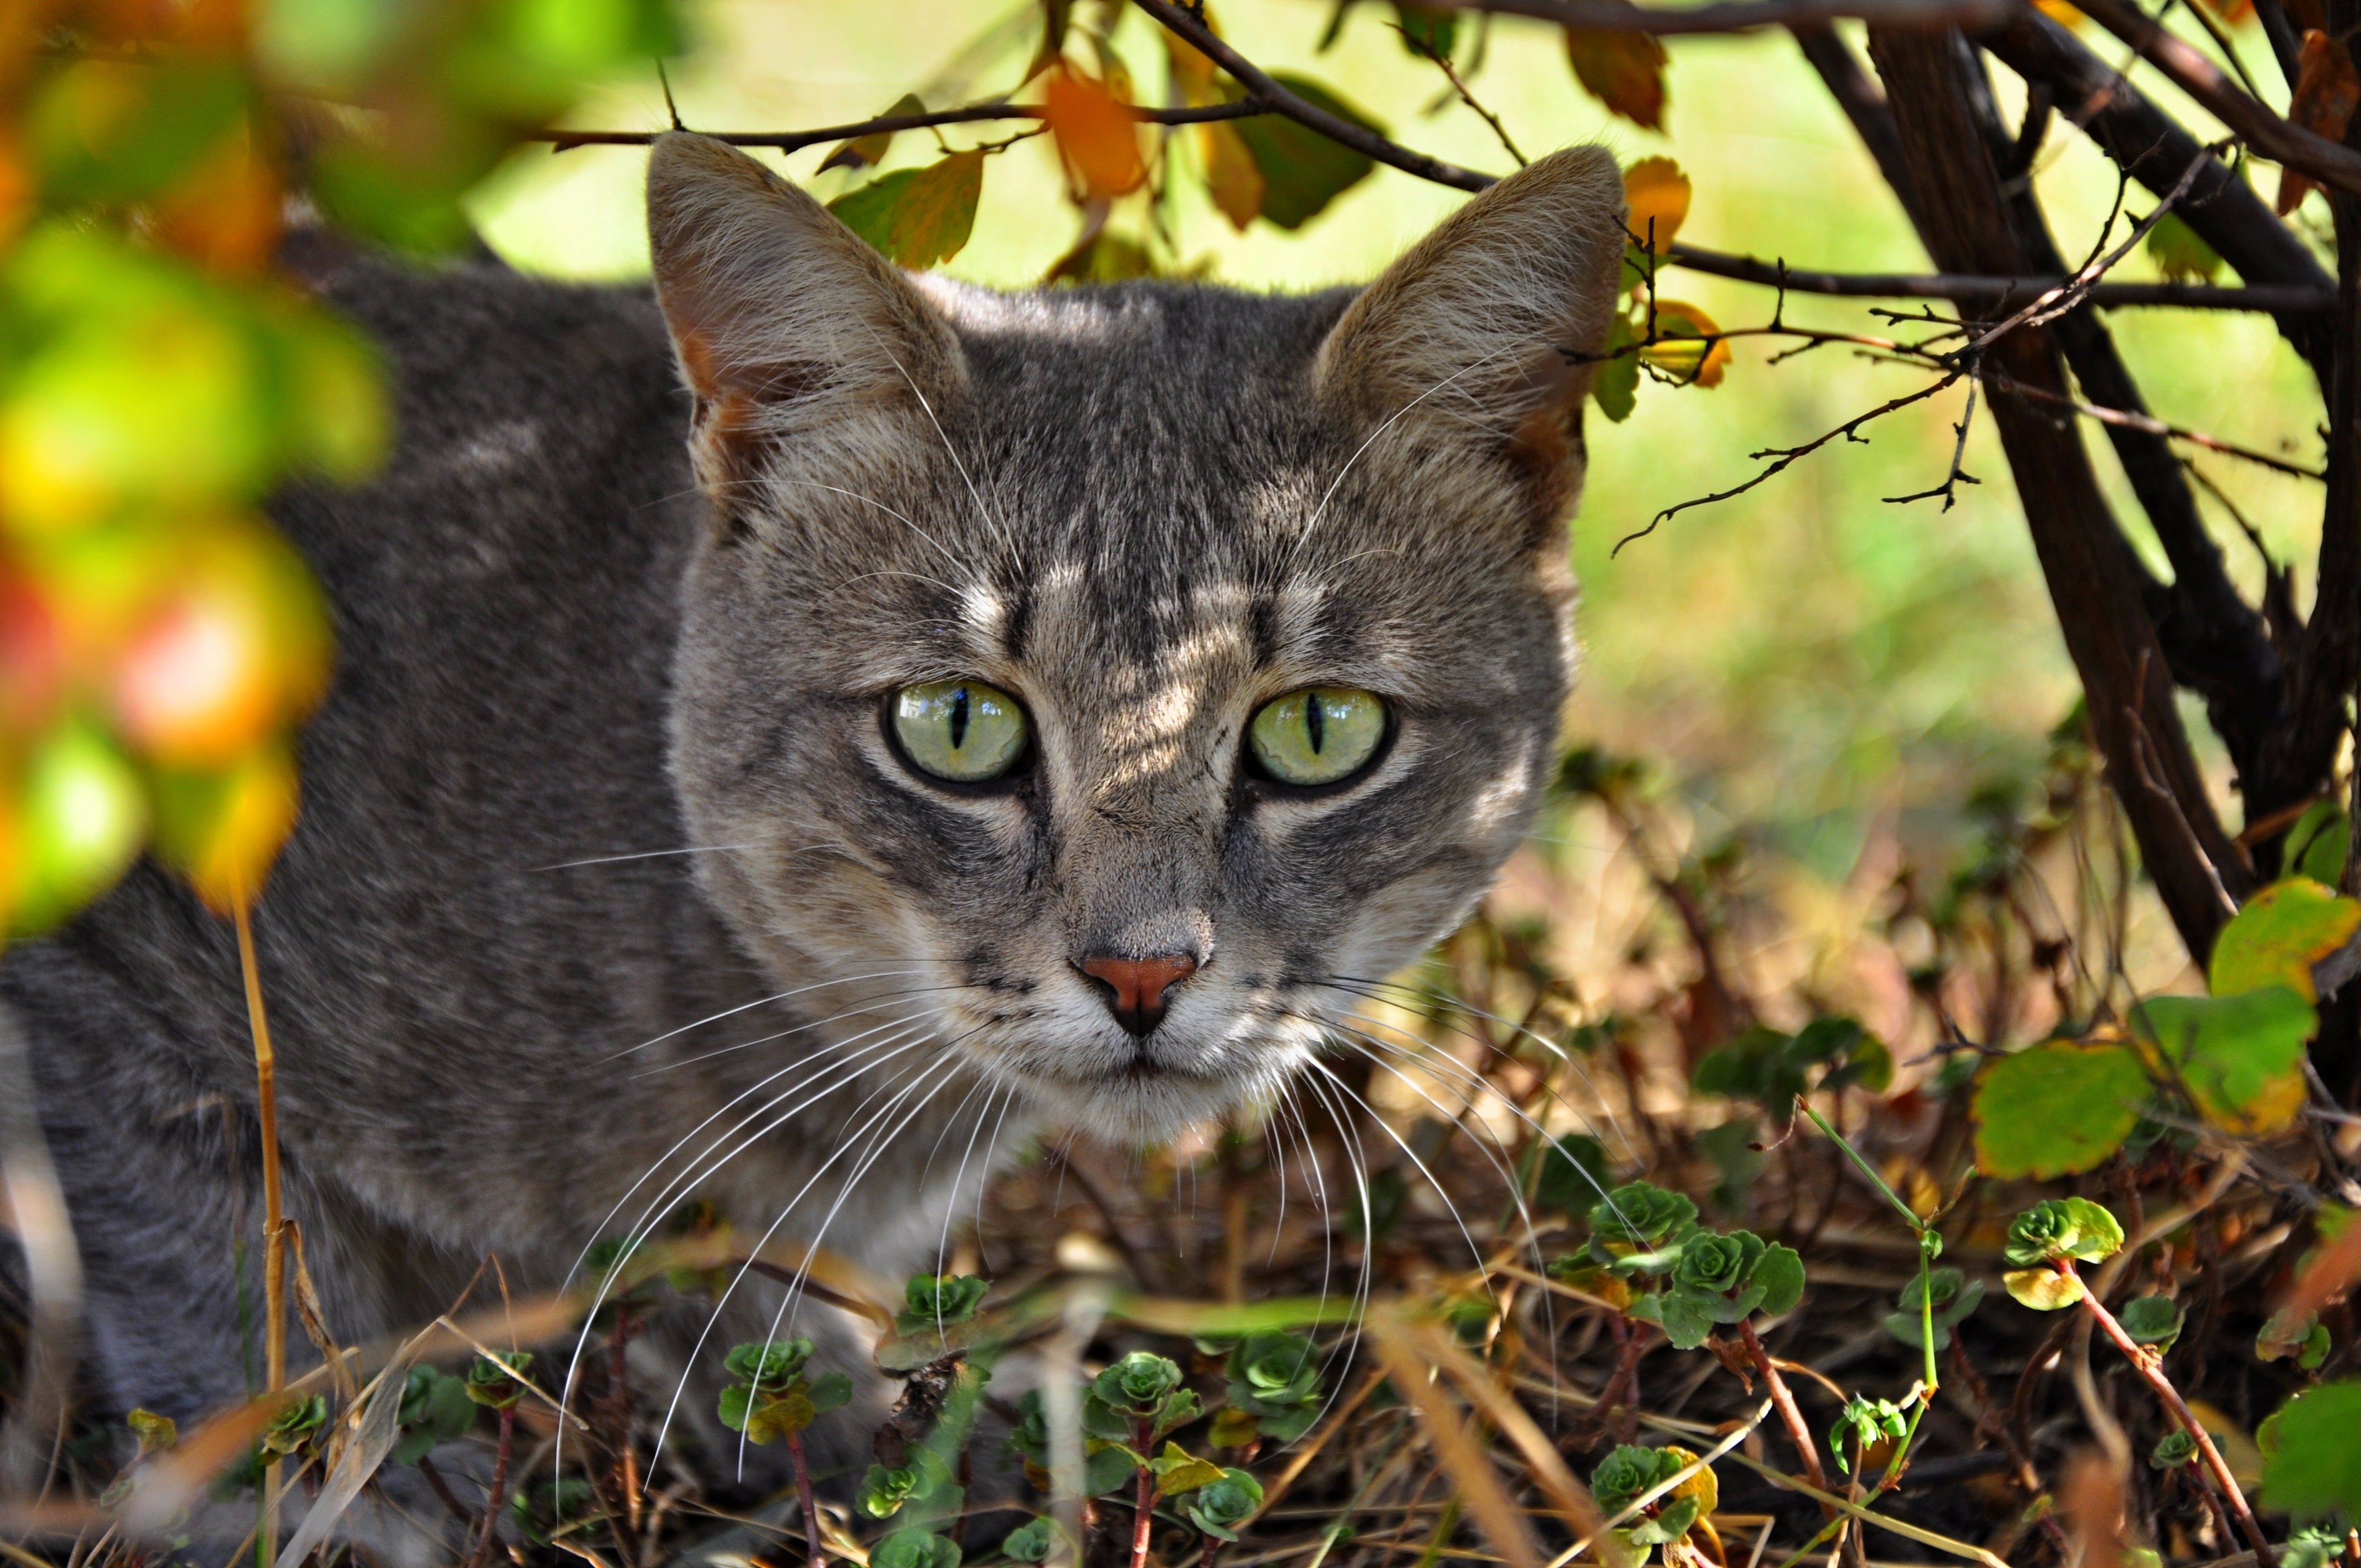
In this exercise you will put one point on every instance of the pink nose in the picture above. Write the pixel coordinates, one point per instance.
(1136, 987)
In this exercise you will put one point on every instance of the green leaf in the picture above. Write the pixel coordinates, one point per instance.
(1781, 1275)
(2151, 1320)
(108, 130)
(2057, 1108)
(917, 217)
(1616, 387)
(1031, 1541)
(2318, 844)
(767, 1364)
(2315, 1468)
(1221, 1506)
(1731, 1148)
(867, 152)
(2279, 935)
(1303, 171)
(2058, 1229)
(2179, 252)
(914, 1549)
(2240, 1056)
(2172, 1450)
(1574, 1176)
(1434, 28)
(1107, 1469)
(496, 1380)
(828, 1391)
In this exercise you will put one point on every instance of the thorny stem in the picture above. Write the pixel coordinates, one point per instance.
(274, 1228)
(498, 1496)
(2151, 1368)
(804, 1497)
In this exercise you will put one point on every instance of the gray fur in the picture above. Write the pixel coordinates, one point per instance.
(1146, 509)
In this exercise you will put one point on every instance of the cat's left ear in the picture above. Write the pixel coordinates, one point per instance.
(1487, 333)
(793, 335)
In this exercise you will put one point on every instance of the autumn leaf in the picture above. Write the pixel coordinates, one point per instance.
(917, 217)
(1194, 71)
(1680, 350)
(1303, 171)
(1232, 178)
(2179, 252)
(221, 830)
(2327, 90)
(1096, 132)
(1658, 194)
(1624, 71)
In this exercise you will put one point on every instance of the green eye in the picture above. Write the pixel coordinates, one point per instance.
(961, 731)
(1318, 736)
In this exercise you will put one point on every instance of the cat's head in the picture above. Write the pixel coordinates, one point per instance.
(1111, 686)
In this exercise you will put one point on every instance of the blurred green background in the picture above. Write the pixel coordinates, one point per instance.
(1806, 660)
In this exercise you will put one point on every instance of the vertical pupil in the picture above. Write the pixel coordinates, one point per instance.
(1314, 721)
(958, 718)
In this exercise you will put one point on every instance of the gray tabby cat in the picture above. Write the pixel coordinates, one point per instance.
(1009, 711)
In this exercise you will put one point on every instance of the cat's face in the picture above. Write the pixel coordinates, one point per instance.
(1105, 689)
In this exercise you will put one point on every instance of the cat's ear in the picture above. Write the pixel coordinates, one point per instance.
(792, 332)
(1487, 332)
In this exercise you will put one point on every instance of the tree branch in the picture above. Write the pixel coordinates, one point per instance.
(1279, 100)
(884, 124)
(2001, 292)
(2147, 145)
(1744, 15)
(2324, 160)
(1864, 101)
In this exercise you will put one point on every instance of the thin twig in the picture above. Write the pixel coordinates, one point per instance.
(2002, 291)
(885, 125)
(274, 1230)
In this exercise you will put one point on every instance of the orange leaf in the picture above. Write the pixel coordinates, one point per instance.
(225, 213)
(1658, 193)
(2060, 11)
(1232, 176)
(1100, 140)
(1623, 71)
(222, 831)
(2327, 90)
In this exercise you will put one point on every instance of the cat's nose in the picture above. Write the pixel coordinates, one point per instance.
(1134, 988)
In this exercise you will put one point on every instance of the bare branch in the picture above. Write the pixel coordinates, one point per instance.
(791, 141)
(2130, 419)
(1279, 100)
(2001, 293)
(2255, 124)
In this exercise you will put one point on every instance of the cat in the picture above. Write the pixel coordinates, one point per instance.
(1002, 712)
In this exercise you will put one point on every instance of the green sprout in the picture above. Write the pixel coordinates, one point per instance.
(1141, 1390)
(884, 1490)
(769, 1397)
(1032, 1542)
(1275, 1378)
(1868, 1422)
(497, 1381)
(1638, 1228)
(1721, 1280)
(435, 1408)
(2172, 1450)
(294, 1428)
(1630, 1473)
(2046, 1242)
(939, 1300)
(1220, 1507)
(1951, 1294)
(914, 1548)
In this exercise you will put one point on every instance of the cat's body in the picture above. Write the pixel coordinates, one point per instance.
(1147, 511)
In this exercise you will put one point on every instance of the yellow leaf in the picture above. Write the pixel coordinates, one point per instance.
(1658, 193)
(221, 830)
(2279, 935)
(1232, 177)
(1192, 71)
(1099, 138)
(1681, 350)
(1624, 71)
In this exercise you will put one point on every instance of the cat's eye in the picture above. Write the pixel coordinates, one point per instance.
(1318, 736)
(964, 731)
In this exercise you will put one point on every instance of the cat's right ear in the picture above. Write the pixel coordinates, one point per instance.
(792, 332)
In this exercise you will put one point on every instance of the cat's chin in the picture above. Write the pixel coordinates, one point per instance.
(1146, 1104)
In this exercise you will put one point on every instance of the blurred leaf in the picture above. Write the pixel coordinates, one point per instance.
(1679, 351)
(220, 830)
(114, 131)
(1303, 171)
(1732, 1148)
(1178, 1471)
(1624, 71)
(2043, 1288)
(2315, 1466)
(1658, 194)
(2327, 90)
(867, 152)
(917, 217)
(1616, 388)
(2180, 252)
(324, 43)
(2279, 935)
(223, 215)
(412, 202)
(237, 647)
(1233, 178)
(1574, 1175)
(2317, 844)
(1101, 257)
(83, 818)
(2056, 1108)
(2239, 1057)
(1096, 132)
(1428, 29)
